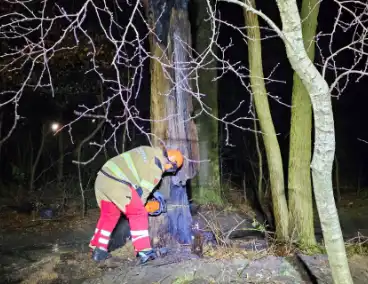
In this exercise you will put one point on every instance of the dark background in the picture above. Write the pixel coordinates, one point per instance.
(74, 87)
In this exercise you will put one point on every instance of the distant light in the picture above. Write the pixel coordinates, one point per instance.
(55, 126)
(93, 120)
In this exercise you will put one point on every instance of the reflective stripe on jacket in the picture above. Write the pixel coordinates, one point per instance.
(141, 166)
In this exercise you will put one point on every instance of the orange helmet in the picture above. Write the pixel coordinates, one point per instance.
(176, 159)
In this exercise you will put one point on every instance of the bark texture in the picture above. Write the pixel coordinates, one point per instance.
(299, 183)
(272, 147)
(171, 106)
(324, 148)
(208, 181)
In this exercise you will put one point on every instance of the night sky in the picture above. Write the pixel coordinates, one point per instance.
(350, 112)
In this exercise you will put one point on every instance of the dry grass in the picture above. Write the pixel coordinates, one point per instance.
(232, 248)
(41, 271)
(357, 245)
(359, 268)
(77, 266)
(231, 252)
(125, 252)
(229, 249)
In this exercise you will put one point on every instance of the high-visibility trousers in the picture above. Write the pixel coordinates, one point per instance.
(113, 199)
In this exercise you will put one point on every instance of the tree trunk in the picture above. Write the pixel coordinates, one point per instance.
(173, 32)
(299, 184)
(1, 145)
(44, 133)
(60, 172)
(272, 148)
(208, 179)
(160, 88)
(78, 154)
(324, 148)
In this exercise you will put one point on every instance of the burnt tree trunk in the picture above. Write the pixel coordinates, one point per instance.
(171, 106)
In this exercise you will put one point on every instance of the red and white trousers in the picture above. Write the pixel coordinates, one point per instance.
(110, 211)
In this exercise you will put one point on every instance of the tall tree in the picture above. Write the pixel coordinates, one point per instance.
(324, 132)
(171, 107)
(324, 145)
(208, 182)
(299, 183)
(272, 148)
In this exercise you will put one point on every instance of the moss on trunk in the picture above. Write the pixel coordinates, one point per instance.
(299, 183)
(207, 188)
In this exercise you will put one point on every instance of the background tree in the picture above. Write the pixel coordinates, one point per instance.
(207, 186)
(272, 148)
(30, 55)
(299, 179)
(323, 155)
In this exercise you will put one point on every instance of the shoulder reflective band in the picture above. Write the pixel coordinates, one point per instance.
(143, 183)
(146, 184)
(117, 179)
(116, 170)
(131, 166)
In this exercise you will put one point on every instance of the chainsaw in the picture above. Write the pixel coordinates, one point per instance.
(156, 205)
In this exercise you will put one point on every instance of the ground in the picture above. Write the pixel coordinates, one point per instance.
(35, 251)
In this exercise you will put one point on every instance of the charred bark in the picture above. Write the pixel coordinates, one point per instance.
(172, 103)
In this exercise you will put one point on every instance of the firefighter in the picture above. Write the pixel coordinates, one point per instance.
(122, 186)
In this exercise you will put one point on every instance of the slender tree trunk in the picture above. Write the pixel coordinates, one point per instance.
(60, 172)
(324, 148)
(261, 193)
(39, 153)
(31, 155)
(299, 183)
(123, 142)
(260, 165)
(78, 154)
(208, 179)
(272, 148)
(337, 181)
(1, 145)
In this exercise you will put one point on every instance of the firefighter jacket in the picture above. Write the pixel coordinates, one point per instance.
(141, 167)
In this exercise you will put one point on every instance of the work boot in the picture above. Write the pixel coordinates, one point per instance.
(105, 259)
(145, 256)
(99, 255)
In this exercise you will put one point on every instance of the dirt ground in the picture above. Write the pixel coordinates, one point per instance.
(35, 251)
